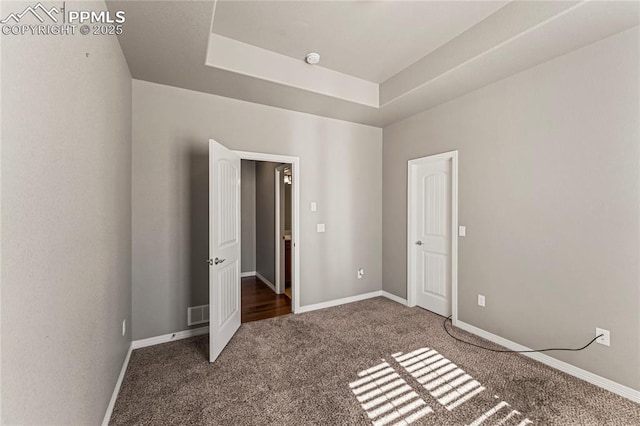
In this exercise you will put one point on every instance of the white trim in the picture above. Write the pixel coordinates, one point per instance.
(411, 291)
(271, 158)
(266, 281)
(337, 302)
(295, 233)
(351, 299)
(395, 298)
(295, 225)
(1, 198)
(116, 389)
(247, 274)
(279, 227)
(587, 376)
(454, 236)
(276, 215)
(179, 335)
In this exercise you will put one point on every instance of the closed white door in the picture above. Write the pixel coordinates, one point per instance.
(430, 239)
(224, 247)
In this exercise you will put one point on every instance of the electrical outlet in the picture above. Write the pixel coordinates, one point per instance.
(481, 300)
(360, 273)
(605, 339)
(124, 326)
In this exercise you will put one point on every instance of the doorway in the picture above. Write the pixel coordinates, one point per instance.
(225, 242)
(267, 263)
(294, 163)
(432, 242)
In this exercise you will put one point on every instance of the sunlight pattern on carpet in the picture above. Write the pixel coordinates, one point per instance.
(443, 379)
(386, 397)
(510, 415)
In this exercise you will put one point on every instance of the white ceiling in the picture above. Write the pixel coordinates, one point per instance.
(371, 40)
(172, 43)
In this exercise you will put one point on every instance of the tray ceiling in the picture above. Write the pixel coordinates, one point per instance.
(381, 61)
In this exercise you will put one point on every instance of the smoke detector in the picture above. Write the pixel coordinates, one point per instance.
(312, 58)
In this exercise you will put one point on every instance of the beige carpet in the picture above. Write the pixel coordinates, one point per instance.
(370, 362)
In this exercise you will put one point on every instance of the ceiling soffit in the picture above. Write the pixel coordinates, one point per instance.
(516, 37)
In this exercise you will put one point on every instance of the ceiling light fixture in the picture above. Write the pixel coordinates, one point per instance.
(312, 58)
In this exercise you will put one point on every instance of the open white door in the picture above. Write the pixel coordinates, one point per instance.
(224, 247)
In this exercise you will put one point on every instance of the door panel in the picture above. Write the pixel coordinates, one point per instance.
(434, 274)
(227, 292)
(227, 203)
(432, 266)
(224, 247)
(434, 204)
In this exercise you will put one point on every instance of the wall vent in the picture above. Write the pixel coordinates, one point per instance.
(197, 314)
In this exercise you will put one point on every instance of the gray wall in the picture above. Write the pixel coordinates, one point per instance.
(265, 220)
(248, 218)
(340, 170)
(549, 192)
(66, 225)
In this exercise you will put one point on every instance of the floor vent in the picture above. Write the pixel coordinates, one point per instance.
(197, 314)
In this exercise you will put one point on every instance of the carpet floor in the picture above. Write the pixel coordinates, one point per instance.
(371, 362)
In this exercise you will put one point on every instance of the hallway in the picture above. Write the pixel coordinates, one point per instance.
(260, 302)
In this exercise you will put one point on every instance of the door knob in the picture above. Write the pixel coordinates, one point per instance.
(218, 261)
(418, 243)
(209, 261)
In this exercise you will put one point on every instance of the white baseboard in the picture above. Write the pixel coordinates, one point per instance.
(116, 389)
(266, 281)
(338, 302)
(351, 299)
(395, 298)
(143, 343)
(587, 376)
(247, 274)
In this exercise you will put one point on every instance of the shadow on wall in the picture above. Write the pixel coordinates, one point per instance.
(197, 287)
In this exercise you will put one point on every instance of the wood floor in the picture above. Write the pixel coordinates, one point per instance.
(260, 302)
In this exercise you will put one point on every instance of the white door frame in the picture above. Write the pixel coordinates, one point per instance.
(279, 284)
(411, 206)
(295, 219)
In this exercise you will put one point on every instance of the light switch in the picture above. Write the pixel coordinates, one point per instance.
(462, 231)
(314, 206)
(320, 227)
